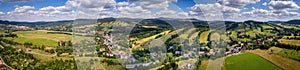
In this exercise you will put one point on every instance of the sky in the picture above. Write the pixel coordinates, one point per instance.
(210, 10)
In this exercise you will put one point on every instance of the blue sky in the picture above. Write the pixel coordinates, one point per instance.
(239, 10)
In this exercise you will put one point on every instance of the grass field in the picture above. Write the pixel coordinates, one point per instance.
(248, 61)
(35, 41)
(284, 63)
(203, 37)
(184, 36)
(293, 54)
(43, 35)
(267, 26)
(142, 41)
(193, 38)
(293, 42)
(40, 37)
(203, 65)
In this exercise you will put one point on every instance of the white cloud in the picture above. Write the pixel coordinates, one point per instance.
(22, 9)
(134, 12)
(122, 3)
(1, 13)
(253, 7)
(213, 8)
(283, 5)
(266, 15)
(153, 4)
(265, 4)
(50, 13)
(97, 3)
(171, 14)
(237, 3)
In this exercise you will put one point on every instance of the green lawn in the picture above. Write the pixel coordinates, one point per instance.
(248, 61)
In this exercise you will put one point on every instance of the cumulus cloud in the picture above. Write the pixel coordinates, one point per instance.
(16, 0)
(50, 13)
(1, 13)
(265, 15)
(265, 4)
(122, 3)
(237, 3)
(283, 5)
(213, 8)
(153, 4)
(97, 3)
(134, 12)
(171, 13)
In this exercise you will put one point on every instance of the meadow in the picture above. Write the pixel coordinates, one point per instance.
(284, 63)
(248, 61)
(40, 37)
(292, 42)
(203, 37)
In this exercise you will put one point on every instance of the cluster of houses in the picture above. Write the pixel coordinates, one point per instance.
(112, 49)
(17, 28)
(235, 49)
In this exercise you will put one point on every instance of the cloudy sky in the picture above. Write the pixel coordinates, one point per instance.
(233, 10)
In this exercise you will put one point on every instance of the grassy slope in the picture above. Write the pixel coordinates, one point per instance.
(203, 65)
(248, 61)
(40, 37)
(293, 54)
(43, 34)
(203, 37)
(285, 63)
(183, 36)
(35, 41)
(293, 42)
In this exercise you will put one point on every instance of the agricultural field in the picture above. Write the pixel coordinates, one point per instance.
(292, 42)
(248, 61)
(203, 65)
(40, 37)
(278, 60)
(293, 54)
(203, 37)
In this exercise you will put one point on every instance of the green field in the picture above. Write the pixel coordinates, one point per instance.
(292, 42)
(35, 41)
(248, 61)
(203, 37)
(293, 54)
(40, 37)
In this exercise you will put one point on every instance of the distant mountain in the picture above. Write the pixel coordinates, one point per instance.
(293, 22)
(31, 23)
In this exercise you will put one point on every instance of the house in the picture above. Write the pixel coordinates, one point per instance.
(123, 56)
(131, 60)
(187, 66)
(171, 47)
(102, 49)
(28, 49)
(110, 53)
(201, 52)
(177, 52)
(48, 48)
